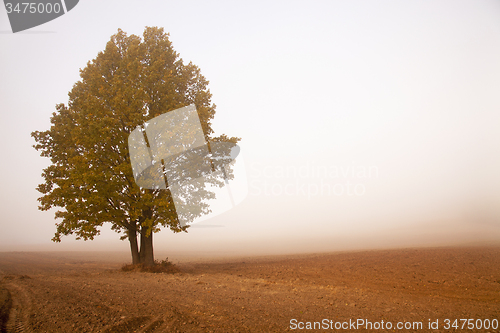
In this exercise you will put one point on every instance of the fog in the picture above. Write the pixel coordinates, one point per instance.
(363, 124)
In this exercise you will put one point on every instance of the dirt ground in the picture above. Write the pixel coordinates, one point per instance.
(82, 292)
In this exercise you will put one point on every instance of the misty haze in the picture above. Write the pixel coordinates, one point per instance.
(365, 187)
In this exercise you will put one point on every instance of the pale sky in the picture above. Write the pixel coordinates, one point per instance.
(363, 123)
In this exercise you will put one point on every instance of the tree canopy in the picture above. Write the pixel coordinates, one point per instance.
(132, 81)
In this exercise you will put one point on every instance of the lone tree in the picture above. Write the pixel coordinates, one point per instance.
(132, 81)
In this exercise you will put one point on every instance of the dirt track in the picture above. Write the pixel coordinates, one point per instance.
(56, 293)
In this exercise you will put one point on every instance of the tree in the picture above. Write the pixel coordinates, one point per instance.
(133, 80)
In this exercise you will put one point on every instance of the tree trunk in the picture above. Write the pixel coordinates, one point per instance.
(146, 252)
(134, 249)
(142, 251)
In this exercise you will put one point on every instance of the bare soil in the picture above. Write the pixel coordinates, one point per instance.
(75, 292)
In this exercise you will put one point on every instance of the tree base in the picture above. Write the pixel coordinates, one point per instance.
(163, 266)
